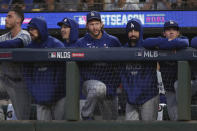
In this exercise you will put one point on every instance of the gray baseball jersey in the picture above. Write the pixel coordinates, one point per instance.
(23, 35)
(10, 69)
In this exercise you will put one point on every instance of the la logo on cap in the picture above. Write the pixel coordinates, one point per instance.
(132, 25)
(171, 22)
(92, 14)
(65, 20)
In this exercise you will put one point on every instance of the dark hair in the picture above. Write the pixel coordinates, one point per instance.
(19, 12)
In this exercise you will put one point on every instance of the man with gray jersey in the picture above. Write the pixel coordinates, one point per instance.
(11, 77)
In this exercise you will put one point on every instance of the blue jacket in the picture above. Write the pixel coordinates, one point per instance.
(45, 81)
(168, 68)
(139, 78)
(74, 34)
(104, 42)
(194, 42)
(163, 43)
(105, 72)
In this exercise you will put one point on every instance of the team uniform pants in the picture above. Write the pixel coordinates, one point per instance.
(95, 92)
(172, 105)
(53, 112)
(147, 111)
(19, 95)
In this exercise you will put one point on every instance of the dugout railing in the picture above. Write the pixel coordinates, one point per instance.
(72, 56)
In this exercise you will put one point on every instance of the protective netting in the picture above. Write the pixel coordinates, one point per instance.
(37, 84)
(108, 90)
(193, 65)
(126, 90)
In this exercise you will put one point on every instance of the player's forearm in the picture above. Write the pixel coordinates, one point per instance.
(16, 43)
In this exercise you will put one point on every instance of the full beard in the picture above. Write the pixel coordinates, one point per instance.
(133, 42)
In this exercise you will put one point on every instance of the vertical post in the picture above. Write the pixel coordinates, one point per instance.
(72, 91)
(184, 91)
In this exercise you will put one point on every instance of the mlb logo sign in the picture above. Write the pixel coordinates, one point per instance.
(52, 55)
(80, 19)
(139, 53)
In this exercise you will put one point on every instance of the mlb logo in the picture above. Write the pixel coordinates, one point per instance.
(52, 55)
(139, 53)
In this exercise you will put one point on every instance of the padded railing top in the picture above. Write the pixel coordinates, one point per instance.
(95, 54)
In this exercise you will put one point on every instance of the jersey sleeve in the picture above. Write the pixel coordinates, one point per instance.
(165, 44)
(177, 43)
(152, 43)
(16, 43)
(194, 42)
(3, 37)
(25, 37)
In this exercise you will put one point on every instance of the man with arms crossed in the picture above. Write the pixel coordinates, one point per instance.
(171, 41)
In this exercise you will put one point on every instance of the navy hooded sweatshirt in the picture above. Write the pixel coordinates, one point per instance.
(74, 33)
(194, 42)
(168, 68)
(45, 81)
(102, 71)
(138, 78)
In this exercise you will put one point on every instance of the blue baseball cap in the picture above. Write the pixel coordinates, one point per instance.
(171, 24)
(65, 21)
(93, 15)
(133, 25)
(31, 25)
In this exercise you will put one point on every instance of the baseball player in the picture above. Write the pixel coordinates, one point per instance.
(11, 76)
(99, 79)
(171, 41)
(69, 31)
(45, 81)
(139, 79)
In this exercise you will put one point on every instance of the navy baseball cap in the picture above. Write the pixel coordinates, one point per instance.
(65, 22)
(171, 24)
(93, 15)
(133, 25)
(31, 25)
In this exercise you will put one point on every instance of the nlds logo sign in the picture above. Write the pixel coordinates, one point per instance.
(59, 55)
(151, 54)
